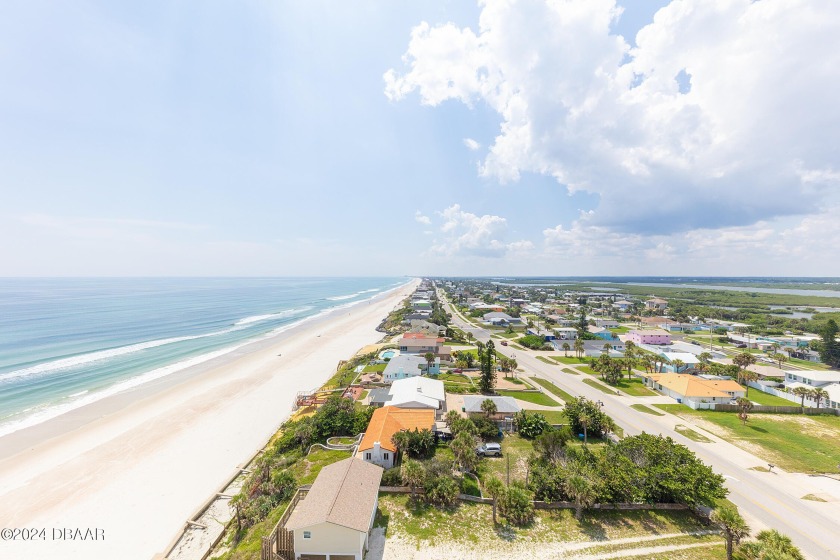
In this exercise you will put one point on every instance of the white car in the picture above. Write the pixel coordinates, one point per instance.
(489, 450)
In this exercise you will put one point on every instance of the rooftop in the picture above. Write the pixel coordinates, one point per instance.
(389, 420)
(343, 494)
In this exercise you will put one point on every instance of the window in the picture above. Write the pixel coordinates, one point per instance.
(367, 456)
(307, 534)
(386, 456)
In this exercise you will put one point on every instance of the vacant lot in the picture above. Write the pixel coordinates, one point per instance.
(553, 389)
(798, 443)
(531, 397)
(414, 531)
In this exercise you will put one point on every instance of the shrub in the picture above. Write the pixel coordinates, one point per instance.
(392, 477)
(516, 504)
(486, 428)
(530, 425)
(441, 490)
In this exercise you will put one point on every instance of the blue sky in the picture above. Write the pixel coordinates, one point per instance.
(297, 138)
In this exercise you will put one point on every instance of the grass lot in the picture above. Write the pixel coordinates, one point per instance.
(547, 361)
(364, 394)
(531, 397)
(599, 386)
(769, 400)
(455, 378)
(515, 447)
(794, 442)
(570, 371)
(646, 410)
(553, 389)
(588, 369)
(376, 368)
(568, 360)
(712, 551)
(807, 364)
(308, 468)
(691, 434)
(553, 416)
(469, 525)
(634, 386)
(509, 335)
(620, 330)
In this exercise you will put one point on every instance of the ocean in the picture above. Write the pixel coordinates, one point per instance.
(67, 342)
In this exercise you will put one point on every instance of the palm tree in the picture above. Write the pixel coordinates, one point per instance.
(401, 441)
(771, 544)
(581, 491)
(451, 417)
(732, 526)
(607, 347)
(743, 361)
(678, 365)
(578, 347)
(488, 406)
(584, 419)
(744, 405)
(566, 348)
(412, 474)
(495, 489)
(748, 376)
(778, 357)
(802, 392)
(818, 395)
(430, 361)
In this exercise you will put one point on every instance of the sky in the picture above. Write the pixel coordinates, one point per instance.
(507, 137)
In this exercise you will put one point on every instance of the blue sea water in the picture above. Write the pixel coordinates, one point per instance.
(67, 342)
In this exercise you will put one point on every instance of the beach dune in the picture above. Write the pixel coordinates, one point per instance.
(118, 478)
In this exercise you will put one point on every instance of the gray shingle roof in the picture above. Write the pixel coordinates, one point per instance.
(344, 494)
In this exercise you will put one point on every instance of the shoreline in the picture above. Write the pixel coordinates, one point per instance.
(145, 458)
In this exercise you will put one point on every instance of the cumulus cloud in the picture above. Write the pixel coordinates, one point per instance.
(465, 233)
(421, 219)
(724, 115)
(471, 144)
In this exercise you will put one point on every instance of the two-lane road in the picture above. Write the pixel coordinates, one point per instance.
(762, 497)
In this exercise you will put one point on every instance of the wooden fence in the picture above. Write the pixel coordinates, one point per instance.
(779, 409)
(280, 544)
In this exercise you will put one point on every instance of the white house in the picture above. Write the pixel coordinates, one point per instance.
(811, 378)
(417, 392)
(403, 366)
(606, 323)
(565, 333)
(334, 520)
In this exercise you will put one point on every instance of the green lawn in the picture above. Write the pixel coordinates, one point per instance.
(599, 386)
(376, 368)
(364, 394)
(635, 387)
(455, 378)
(767, 399)
(553, 416)
(807, 364)
(587, 369)
(646, 410)
(570, 371)
(620, 330)
(568, 360)
(531, 397)
(553, 389)
(509, 335)
(691, 434)
(547, 361)
(794, 442)
(518, 449)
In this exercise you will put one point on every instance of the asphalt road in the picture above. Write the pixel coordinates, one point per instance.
(763, 498)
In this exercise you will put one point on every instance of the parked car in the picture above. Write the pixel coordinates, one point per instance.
(490, 450)
(458, 370)
(740, 345)
(504, 343)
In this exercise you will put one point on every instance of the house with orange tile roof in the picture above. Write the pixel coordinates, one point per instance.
(420, 343)
(694, 389)
(376, 446)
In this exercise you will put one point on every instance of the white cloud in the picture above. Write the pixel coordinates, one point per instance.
(752, 140)
(464, 233)
(471, 144)
(421, 219)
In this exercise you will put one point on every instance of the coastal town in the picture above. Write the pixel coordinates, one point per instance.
(500, 420)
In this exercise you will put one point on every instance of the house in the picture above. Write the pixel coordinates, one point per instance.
(335, 517)
(376, 446)
(677, 327)
(602, 333)
(501, 319)
(402, 366)
(688, 360)
(424, 326)
(546, 335)
(421, 343)
(656, 304)
(565, 333)
(421, 305)
(654, 337)
(594, 348)
(693, 389)
(811, 378)
(505, 406)
(417, 392)
(623, 305)
(606, 323)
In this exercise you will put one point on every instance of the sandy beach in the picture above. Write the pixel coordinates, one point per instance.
(133, 467)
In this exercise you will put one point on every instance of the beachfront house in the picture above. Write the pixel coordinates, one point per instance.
(377, 445)
(653, 337)
(421, 343)
(404, 366)
(334, 519)
(693, 390)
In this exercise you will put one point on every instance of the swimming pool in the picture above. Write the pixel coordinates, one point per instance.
(387, 354)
